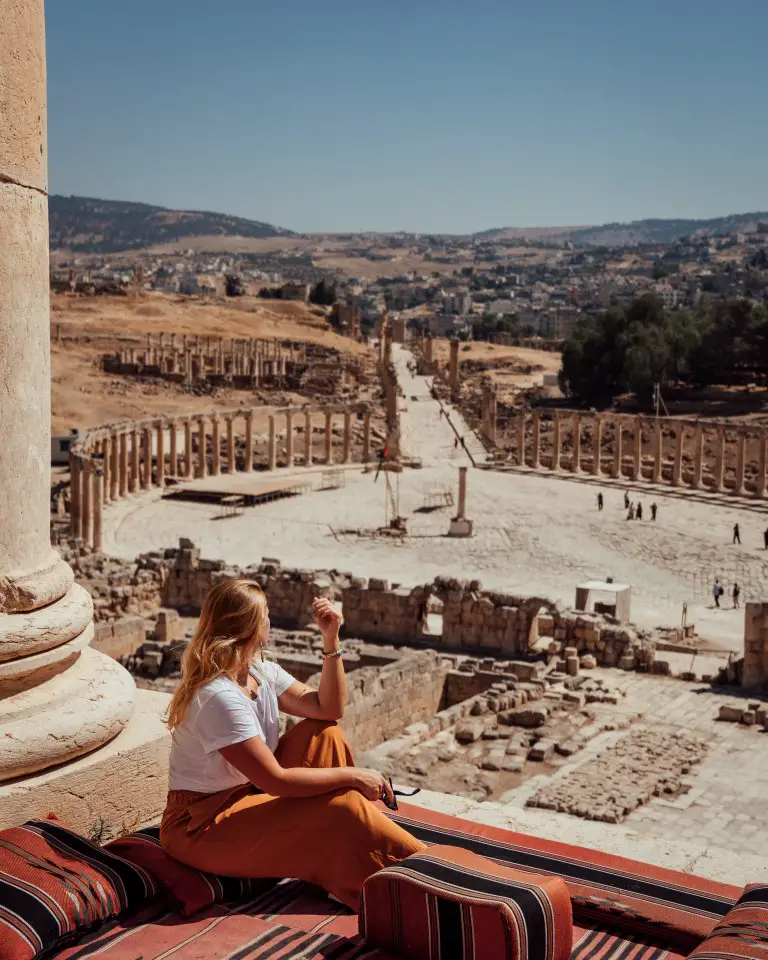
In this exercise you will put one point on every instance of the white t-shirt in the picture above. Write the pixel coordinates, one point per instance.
(220, 714)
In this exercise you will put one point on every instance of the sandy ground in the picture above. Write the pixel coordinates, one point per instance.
(534, 535)
(84, 328)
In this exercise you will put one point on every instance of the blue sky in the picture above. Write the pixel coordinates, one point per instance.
(449, 116)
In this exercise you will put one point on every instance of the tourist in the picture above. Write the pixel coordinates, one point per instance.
(736, 534)
(639, 511)
(717, 592)
(599, 501)
(735, 596)
(653, 511)
(631, 512)
(244, 802)
(455, 443)
(626, 500)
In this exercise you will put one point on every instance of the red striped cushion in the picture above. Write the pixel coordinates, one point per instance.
(447, 902)
(55, 884)
(191, 889)
(743, 932)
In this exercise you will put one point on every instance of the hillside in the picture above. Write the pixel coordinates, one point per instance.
(86, 225)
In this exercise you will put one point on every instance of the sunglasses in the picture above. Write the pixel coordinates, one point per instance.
(392, 804)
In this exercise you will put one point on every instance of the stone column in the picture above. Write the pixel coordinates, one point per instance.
(618, 438)
(307, 439)
(135, 460)
(98, 508)
(347, 436)
(216, 446)
(160, 430)
(637, 467)
(521, 440)
(658, 458)
(146, 478)
(202, 454)
(86, 529)
(720, 460)
(460, 513)
(249, 441)
(123, 464)
(271, 444)
(741, 462)
(289, 437)
(188, 469)
(106, 452)
(329, 438)
(367, 437)
(453, 374)
(114, 470)
(698, 457)
(556, 442)
(760, 489)
(597, 444)
(677, 468)
(75, 496)
(576, 464)
(230, 445)
(536, 441)
(173, 464)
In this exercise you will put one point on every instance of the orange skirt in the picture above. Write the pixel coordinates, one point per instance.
(335, 840)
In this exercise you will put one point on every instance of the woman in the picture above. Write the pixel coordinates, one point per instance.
(244, 803)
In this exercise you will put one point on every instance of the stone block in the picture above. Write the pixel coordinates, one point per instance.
(748, 717)
(470, 730)
(587, 662)
(572, 666)
(528, 716)
(513, 763)
(542, 750)
(730, 713)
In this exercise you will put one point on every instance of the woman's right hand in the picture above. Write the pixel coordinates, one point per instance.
(372, 784)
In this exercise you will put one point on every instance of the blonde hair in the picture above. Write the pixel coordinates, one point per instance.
(224, 642)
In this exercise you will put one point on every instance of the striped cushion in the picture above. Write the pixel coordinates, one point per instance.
(447, 903)
(743, 932)
(191, 889)
(55, 884)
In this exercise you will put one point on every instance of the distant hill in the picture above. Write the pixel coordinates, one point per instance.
(634, 233)
(85, 225)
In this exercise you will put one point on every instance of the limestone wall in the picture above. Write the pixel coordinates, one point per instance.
(374, 611)
(120, 638)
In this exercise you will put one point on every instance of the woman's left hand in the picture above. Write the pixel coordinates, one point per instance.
(326, 617)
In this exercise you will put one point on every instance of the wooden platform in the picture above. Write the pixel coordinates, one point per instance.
(250, 493)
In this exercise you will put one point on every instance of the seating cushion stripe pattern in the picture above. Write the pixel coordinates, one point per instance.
(55, 885)
(625, 893)
(743, 932)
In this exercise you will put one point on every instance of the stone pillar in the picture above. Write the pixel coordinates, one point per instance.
(741, 462)
(188, 469)
(618, 438)
(597, 444)
(249, 441)
(658, 458)
(720, 460)
(698, 457)
(576, 464)
(460, 526)
(347, 436)
(86, 529)
(230, 445)
(271, 444)
(521, 440)
(307, 439)
(106, 452)
(289, 437)
(536, 441)
(160, 455)
(760, 489)
(98, 506)
(556, 442)
(173, 464)
(677, 467)
(123, 464)
(215, 446)
(202, 453)
(75, 496)
(114, 470)
(637, 467)
(367, 437)
(146, 478)
(453, 371)
(135, 460)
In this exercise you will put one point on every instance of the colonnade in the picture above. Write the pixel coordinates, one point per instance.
(700, 452)
(121, 460)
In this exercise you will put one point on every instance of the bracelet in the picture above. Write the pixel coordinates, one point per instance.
(328, 656)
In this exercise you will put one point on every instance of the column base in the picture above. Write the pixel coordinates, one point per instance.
(460, 527)
(110, 792)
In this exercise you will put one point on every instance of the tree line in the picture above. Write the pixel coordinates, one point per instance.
(629, 349)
